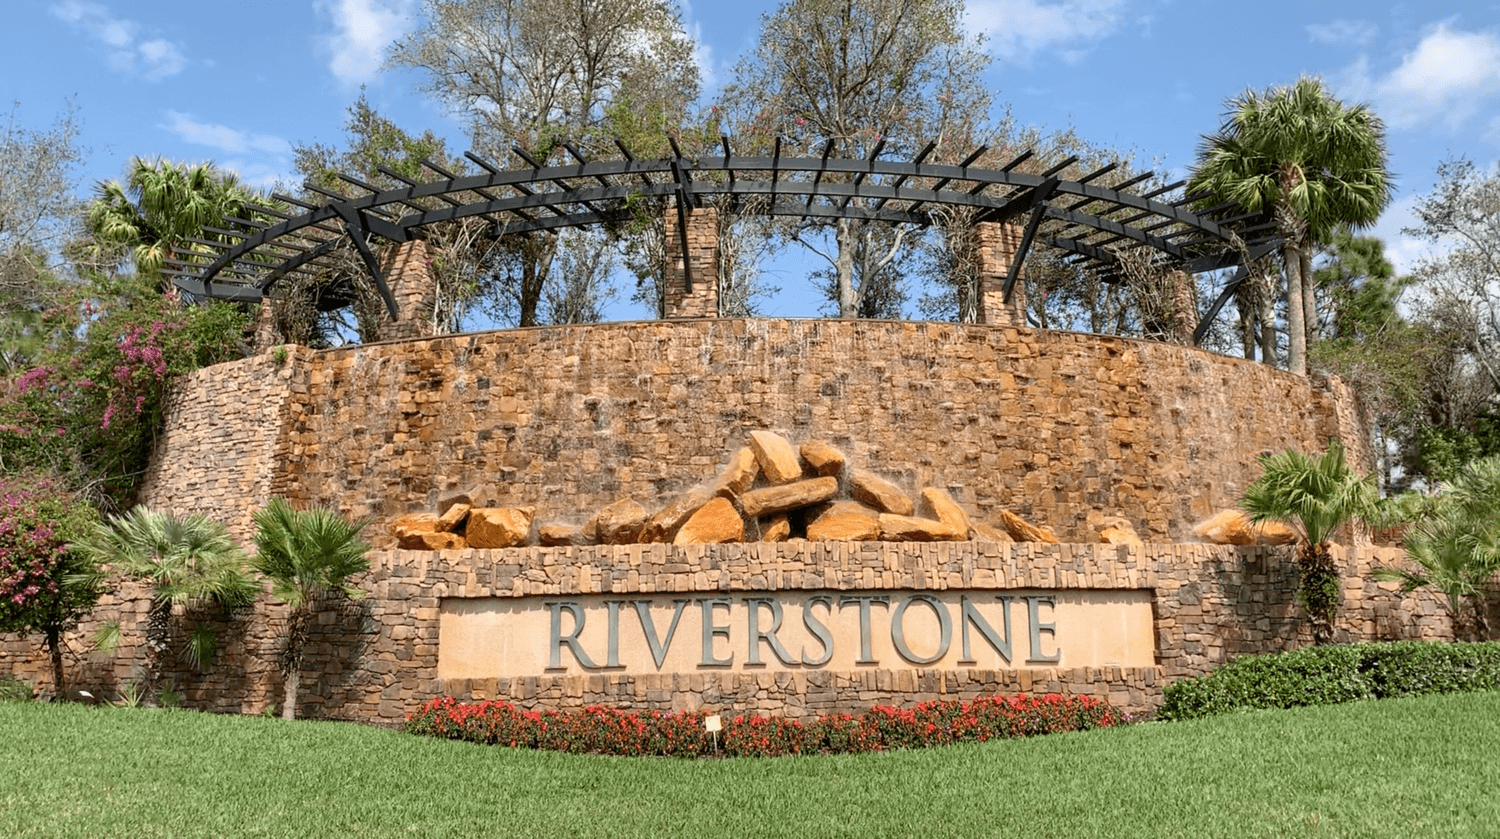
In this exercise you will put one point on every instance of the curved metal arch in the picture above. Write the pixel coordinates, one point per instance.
(540, 198)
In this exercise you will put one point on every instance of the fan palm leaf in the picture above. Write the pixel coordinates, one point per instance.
(1456, 548)
(305, 553)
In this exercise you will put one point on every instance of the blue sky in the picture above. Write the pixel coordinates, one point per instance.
(239, 81)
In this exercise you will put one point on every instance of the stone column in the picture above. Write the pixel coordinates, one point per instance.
(997, 244)
(266, 335)
(702, 257)
(409, 277)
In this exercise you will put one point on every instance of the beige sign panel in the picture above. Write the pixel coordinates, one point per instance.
(686, 633)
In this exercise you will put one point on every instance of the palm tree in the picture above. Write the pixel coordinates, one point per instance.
(306, 554)
(1456, 548)
(1314, 497)
(189, 561)
(1300, 156)
(160, 206)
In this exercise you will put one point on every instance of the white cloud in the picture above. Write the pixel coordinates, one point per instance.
(153, 59)
(222, 137)
(362, 29)
(1353, 32)
(259, 174)
(1450, 77)
(1019, 29)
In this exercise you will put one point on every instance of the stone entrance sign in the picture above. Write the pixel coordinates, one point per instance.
(776, 631)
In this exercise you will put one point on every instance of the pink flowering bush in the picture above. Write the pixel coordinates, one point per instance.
(599, 730)
(90, 405)
(43, 587)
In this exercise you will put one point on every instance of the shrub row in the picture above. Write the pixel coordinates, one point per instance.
(1329, 675)
(600, 730)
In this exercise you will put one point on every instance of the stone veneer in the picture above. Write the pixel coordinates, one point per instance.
(375, 659)
(1051, 425)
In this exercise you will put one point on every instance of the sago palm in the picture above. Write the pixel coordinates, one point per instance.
(189, 561)
(1455, 548)
(1314, 496)
(1301, 157)
(306, 554)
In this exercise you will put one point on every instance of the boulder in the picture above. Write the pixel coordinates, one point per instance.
(777, 528)
(465, 498)
(1275, 533)
(432, 541)
(559, 535)
(841, 507)
(778, 460)
(662, 526)
(938, 504)
(620, 523)
(1233, 527)
(986, 533)
(894, 528)
(845, 522)
(413, 524)
(453, 517)
(1022, 530)
(739, 475)
(1121, 536)
(824, 460)
(871, 489)
(768, 501)
(715, 522)
(1113, 530)
(499, 527)
(734, 480)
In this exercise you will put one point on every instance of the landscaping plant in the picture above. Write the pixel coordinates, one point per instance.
(307, 555)
(1335, 674)
(1455, 548)
(44, 586)
(189, 561)
(1314, 496)
(599, 730)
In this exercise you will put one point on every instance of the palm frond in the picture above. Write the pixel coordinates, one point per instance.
(307, 552)
(1313, 496)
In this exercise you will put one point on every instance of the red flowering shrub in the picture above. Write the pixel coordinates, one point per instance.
(600, 730)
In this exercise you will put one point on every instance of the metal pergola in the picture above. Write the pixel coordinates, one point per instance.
(244, 259)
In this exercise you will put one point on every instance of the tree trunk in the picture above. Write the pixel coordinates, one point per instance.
(158, 631)
(1296, 323)
(1309, 297)
(1267, 318)
(1318, 587)
(1247, 332)
(297, 622)
(289, 694)
(844, 268)
(54, 647)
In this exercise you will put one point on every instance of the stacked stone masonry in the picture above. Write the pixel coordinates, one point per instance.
(700, 297)
(1053, 426)
(997, 245)
(375, 659)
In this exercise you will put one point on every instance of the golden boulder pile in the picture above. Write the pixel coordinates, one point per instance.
(771, 491)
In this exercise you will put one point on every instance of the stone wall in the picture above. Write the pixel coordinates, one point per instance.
(1049, 425)
(376, 659)
(229, 426)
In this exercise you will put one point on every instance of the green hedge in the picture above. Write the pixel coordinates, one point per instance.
(1328, 675)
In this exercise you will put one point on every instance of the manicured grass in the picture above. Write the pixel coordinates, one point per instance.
(1400, 768)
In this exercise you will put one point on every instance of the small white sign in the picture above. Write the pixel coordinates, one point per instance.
(713, 723)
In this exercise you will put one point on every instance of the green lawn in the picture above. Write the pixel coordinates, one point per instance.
(1410, 767)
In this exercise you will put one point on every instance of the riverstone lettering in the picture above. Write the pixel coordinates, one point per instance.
(503, 637)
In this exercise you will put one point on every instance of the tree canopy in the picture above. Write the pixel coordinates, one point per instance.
(1309, 163)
